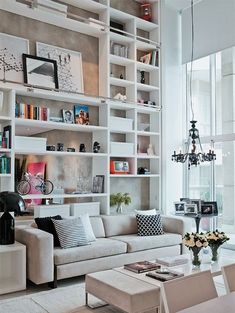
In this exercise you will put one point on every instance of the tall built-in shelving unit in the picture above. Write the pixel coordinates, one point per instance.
(140, 37)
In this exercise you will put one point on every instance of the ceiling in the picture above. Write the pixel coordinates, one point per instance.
(180, 5)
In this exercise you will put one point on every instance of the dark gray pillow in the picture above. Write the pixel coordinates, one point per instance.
(149, 225)
(71, 232)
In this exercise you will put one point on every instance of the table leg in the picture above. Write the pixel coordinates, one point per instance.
(197, 221)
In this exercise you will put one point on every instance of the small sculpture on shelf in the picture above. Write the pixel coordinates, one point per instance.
(143, 171)
(96, 147)
(150, 150)
(121, 97)
(60, 146)
(121, 76)
(82, 147)
(142, 78)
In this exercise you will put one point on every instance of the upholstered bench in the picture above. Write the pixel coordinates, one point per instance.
(122, 291)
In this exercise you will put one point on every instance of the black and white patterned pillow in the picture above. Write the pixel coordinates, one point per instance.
(71, 232)
(149, 225)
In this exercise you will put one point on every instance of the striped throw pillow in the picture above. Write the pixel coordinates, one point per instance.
(70, 232)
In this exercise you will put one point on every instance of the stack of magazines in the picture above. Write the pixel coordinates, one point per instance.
(164, 274)
(173, 260)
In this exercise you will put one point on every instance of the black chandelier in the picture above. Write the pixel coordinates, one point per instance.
(193, 155)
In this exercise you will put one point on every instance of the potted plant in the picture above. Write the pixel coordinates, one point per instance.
(215, 240)
(195, 242)
(119, 199)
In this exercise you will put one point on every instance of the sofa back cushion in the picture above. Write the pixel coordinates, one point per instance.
(115, 225)
(97, 226)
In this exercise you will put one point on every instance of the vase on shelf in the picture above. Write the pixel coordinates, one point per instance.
(214, 252)
(119, 208)
(196, 258)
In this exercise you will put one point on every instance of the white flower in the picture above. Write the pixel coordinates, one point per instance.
(198, 244)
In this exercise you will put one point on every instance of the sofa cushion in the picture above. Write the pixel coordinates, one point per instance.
(137, 243)
(100, 248)
(46, 224)
(116, 225)
(87, 227)
(149, 225)
(97, 226)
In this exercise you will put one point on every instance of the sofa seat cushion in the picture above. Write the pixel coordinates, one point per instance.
(100, 248)
(137, 243)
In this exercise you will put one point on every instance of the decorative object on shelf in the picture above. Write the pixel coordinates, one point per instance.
(119, 50)
(146, 11)
(150, 150)
(119, 199)
(9, 202)
(30, 181)
(29, 111)
(192, 155)
(81, 114)
(68, 116)
(119, 96)
(146, 59)
(215, 240)
(96, 147)
(98, 184)
(70, 72)
(11, 50)
(50, 148)
(70, 149)
(179, 207)
(119, 167)
(60, 146)
(121, 76)
(195, 242)
(142, 78)
(143, 171)
(82, 147)
(40, 72)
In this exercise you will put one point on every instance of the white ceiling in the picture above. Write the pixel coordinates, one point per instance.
(180, 5)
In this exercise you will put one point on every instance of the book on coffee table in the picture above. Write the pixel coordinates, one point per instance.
(173, 260)
(141, 267)
(164, 274)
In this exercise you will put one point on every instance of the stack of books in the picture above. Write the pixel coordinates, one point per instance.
(29, 111)
(173, 260)
(141, 267)
(164, 275)
(5, 164)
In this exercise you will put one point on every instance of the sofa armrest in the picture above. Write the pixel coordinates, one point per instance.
(39, 251)
(174, 225)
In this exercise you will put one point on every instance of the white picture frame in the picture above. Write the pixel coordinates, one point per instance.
(11, 64)
(69, 64)
(179, 207)
(190, 208)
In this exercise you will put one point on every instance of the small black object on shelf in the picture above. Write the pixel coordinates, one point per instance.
(60, 146)
(70, 149)
(121, 76)
(96, 147)
(142, 79)
(50, 148)
(82, 147)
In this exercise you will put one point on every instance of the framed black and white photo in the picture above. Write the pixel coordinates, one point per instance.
(190, 208)
(98, 184)
(207, 208)
(68, 116)
(69, 62)
(11, 50)
(198, 202)
(179, 207)
(186, 200)
(40, 72)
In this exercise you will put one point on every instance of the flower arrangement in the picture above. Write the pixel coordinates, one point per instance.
(118, 199)
(195, 242)
(215, 240)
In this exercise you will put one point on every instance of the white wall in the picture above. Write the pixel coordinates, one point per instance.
(172, 102)
(214, 28)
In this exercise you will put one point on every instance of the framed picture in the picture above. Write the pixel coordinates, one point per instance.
(68, 116)
(198, 202)
(208, 208)
(179, 207)
(186, 200)
(190, 208)
(70, 73)
(81, 114)
(11, 50)
(40, 71)
(98, 184)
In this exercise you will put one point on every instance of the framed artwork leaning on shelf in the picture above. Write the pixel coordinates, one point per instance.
(68, 116)
(70, 72)
(40, 71)
(11, 50)
(81, 114)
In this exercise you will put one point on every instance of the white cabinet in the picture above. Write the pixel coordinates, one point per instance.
(12, 267)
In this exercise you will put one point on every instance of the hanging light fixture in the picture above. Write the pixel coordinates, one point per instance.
(194, 154)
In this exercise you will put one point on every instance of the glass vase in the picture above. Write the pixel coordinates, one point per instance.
(196, 259)
(214, 252)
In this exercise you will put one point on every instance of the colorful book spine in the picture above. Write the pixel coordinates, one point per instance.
(29, 111)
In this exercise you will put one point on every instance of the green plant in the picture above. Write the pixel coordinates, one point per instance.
(119, 198)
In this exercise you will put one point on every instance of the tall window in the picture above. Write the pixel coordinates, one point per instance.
(213, 84)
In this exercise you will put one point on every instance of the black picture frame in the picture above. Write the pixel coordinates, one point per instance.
(40, 74)
(214, 206)
(179, 207)
(98, 184)
(207, 208)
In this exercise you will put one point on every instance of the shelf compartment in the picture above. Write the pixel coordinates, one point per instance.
(145, 25)
(146, 67)
(4, 150)
(62, 153)
(147, 88)
(5, 118)
(146, 133)
(120, 82)
(25, 127)
(66, 195)
(145, 46)
(88, 5)
(121, 39)
(116, 59)
(147, 157)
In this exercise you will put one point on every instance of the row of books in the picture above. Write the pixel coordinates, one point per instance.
(5, 164)
(29, 111)
(151, 58)
(119, 50)
(5, 137)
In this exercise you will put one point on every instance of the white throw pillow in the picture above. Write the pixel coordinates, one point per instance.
(146, 212)
(85, 219)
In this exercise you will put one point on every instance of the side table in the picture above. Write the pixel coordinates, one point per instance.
(12, 267)
(197, 218)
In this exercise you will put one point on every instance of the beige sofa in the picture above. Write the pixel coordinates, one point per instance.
(117, 244)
